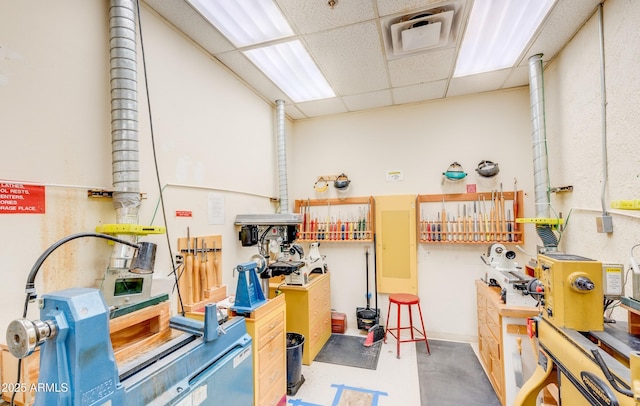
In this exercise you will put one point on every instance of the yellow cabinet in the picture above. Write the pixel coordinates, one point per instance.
(266, 326)
(308, 312)
(395, 219)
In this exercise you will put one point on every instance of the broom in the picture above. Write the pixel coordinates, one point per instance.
(376, 332)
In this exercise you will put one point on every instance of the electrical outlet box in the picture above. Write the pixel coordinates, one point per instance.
(604, 224)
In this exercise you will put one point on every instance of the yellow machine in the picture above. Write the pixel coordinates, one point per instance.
(590, 362)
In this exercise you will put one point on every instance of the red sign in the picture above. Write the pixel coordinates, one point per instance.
(184, 213)
(20, 199)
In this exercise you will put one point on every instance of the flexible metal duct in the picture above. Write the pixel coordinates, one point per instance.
(539, 141)
(124, 120)
(282, 158)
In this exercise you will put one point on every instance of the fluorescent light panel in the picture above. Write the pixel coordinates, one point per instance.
(497, 33)
(290, 67)
(245, 22)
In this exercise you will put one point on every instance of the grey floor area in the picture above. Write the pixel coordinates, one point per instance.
(452, 376)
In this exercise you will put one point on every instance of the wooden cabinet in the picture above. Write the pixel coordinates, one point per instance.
(308, 312)
(470, 218)
(266, 326)
(492, 314)
(336, 220)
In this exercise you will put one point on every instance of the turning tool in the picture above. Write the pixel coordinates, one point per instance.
(196, 273)
(188, 270)
(204, 284)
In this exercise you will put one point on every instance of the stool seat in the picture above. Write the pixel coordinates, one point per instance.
(409, 300)
(404, 298)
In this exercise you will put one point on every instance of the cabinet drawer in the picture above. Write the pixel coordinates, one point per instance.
(272, 351)
(321, 325)
(494, 346)
(271, 396)
(269, 330)
(272, 384)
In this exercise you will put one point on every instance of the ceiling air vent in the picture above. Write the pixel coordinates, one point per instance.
(420, 31)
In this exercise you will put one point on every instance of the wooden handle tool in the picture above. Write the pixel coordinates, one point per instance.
(204, 285)
(196, 272)
(188, 271)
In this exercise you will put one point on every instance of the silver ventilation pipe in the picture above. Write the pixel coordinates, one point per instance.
(539, 140)
(124, 120)
(282, 158)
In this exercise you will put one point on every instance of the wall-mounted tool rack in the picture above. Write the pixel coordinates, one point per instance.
(470, 218)
(336, 220)
(200, 278)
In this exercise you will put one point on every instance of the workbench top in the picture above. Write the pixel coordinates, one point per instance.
(493, 294)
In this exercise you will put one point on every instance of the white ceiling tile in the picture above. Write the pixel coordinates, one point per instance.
(416, 93)
(421, 68)
(519, 76)
(350, 57)
(314, 16)
(322, 107)
(293, 112)
(564, 21)
(479, 83)
(371, 100)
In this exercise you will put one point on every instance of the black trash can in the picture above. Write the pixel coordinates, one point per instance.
(295, 379)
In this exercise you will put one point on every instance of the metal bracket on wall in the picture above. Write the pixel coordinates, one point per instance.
(561, 189)
(101, 193)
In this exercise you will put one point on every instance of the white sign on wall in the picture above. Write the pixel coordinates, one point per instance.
(394, 176)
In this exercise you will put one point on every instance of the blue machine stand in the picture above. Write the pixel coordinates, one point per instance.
(249, 295)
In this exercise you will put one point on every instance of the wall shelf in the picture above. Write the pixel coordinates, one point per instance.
(470, 218)
(336, 220)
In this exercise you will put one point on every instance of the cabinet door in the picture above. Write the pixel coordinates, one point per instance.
(396, 244)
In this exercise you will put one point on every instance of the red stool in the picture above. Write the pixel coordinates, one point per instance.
(405, 299)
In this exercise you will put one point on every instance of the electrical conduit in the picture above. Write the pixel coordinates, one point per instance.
(282, 158)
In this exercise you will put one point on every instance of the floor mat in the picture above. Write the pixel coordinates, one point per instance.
(350, 351)
(452, 376)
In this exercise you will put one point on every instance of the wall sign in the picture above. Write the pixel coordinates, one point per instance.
(19, 198)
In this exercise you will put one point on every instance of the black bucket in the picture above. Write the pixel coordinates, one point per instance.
(295, 346)
(367, 317)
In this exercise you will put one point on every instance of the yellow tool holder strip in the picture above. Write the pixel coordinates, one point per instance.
(540, 220)
(135, 229)
(626, 204)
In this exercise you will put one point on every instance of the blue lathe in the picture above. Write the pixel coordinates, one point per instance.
(207, 364)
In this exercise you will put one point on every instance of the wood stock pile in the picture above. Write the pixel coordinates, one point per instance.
(200, 276)
(470, 217)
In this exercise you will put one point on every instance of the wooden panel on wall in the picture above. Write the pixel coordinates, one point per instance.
(396, 244)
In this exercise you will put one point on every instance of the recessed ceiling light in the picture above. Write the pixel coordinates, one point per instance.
(290, 67)
(497, 33)
(246, 22)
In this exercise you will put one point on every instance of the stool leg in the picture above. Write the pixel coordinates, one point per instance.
(424, 332)
(410, 307)
(386, 326)
(398, 330)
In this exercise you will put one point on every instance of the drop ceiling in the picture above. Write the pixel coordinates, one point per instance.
(350, 43)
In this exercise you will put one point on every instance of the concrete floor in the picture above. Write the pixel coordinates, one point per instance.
(394, 382)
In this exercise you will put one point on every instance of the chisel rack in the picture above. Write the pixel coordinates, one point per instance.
(336, 220)
(200, 276)
(470, 218)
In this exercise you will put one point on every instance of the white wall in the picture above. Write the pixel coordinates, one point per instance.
(574, 133)
(421, 140)
(55, 126)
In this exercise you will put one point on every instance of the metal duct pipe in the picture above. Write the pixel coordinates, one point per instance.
(124, 120)
(539, 141)
(282, 158)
